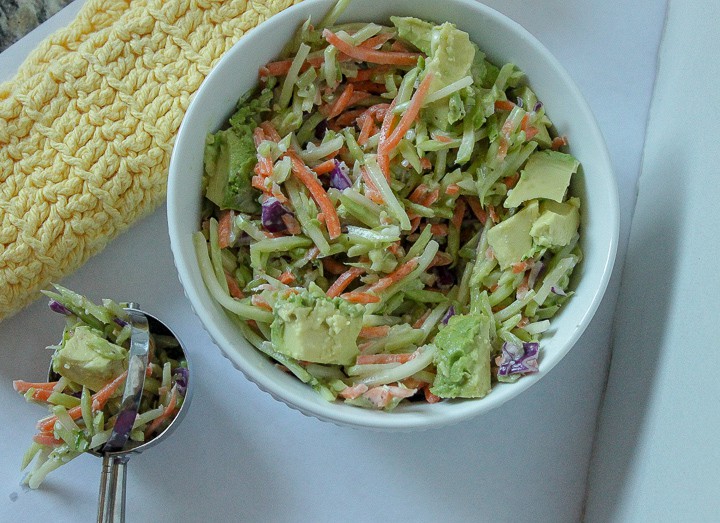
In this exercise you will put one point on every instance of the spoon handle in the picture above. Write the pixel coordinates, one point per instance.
(111, 504)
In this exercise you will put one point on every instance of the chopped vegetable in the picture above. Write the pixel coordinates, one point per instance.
(416, 229)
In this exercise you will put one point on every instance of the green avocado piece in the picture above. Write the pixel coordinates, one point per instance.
(463, 357)
(315, 328)
(87, 358)
(415, 31)
(450, 59)
(230, 160)
(557, 224)
(510, 239)
(450, 56)
(546, 175)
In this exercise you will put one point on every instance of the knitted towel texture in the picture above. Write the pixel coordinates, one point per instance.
(87, 127)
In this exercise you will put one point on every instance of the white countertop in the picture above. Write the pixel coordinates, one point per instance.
(240, 455)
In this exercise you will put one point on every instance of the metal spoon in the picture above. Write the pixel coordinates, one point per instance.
(116, 452)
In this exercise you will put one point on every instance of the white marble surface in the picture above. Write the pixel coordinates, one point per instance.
(239, 455)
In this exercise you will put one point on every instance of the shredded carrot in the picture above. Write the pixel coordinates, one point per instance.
(439, 229)
(493, 213)
(98, 402)
(383, 154)
(370, 55)
(431, 197)
(371, 190)
(258, 181)
(370, 87)
(429, 396)
(364, 75)
(503, 147)
(169, 410)
(47, 439)
(440, 259)
(452, 189)
(504, 105)
(332, 266)
(397, 45)
(260, 302)
(530, 132)
(287, 277)
(342, 102)
(41, 394)
(225, 228)
(354, 391)
(376, 41)
(442, 138)
(395, 276)
(419, 322)
(520, 266)
(270, 131)
(374, 332)
(418, 193)
(477, 209)
(511, 181)
(369, 359)
(558, 142)
(414, 224)
(233, 287)
(343, 281)
(308, 178)
(411, 113)
(524, 122)
(348, 117)
(425, 163)
(324, 167)
(458, 213)
(282, 67)
(367, 129)
(360, 297)
(23, 386)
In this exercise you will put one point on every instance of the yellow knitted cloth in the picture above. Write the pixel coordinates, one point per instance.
(88, 123)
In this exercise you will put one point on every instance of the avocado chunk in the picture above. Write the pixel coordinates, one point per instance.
(311, 327)
(230, 156)
(510, 239)
(463, 357)
(414, 30)
(546, 175)
(87, 358)
(557, 224)
(230, 160)
(450, 56)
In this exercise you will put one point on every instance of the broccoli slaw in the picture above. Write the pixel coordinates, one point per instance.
(387, 215)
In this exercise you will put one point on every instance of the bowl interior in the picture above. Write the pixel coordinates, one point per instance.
(503, 41)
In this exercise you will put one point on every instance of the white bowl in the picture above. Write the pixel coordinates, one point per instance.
(503, 41)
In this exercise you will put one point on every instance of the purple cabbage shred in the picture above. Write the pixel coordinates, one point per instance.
(181, 380)
(272, 215)
(518, 360)
(449, 314)
(58, 307)
(339, 178)
(120, 321)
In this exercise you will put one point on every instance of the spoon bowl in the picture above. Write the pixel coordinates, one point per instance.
(112, 495)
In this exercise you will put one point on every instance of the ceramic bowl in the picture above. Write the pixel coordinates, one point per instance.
(503, 40)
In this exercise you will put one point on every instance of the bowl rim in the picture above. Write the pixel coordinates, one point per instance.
(407, 419)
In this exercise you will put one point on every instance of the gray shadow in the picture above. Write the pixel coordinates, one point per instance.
(640, 324)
